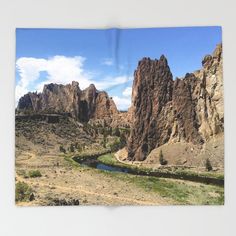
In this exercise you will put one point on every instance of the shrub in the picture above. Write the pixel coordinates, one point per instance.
(34, 174)
(23, 192)
(161, 159)
(62, 149)
(115, 146)
(208, 165)
(104, 142)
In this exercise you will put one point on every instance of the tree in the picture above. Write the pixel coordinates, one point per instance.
(104, 143)
(72, 149)
(161, 159)
(117, 132)
(123, 141)
(208, 165)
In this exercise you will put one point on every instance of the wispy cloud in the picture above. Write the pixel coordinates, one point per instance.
(122, 103)
(107, 62)
(59, 69)
(109, 82)
(127, 92)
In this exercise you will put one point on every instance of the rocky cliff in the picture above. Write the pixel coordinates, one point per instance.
(80, 104)
(166, 110)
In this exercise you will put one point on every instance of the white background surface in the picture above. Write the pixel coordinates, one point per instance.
(171, 220)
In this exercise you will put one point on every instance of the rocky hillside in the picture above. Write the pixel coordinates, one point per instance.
(164, 110)
(82, 105)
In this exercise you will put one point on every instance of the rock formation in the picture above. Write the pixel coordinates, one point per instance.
(166, 110)
(60, 99)
(163, 110)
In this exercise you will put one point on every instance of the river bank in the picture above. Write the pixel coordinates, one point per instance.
(110, 162)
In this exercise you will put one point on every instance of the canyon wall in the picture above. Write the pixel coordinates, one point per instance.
(164, 110)
(80, 104)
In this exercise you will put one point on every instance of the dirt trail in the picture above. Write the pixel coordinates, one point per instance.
(81, 189)
(94, 186)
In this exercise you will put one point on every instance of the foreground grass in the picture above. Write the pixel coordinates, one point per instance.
(181, 192)
(23, 192)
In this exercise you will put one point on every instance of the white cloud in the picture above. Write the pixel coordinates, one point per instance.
(64, 70)
(107, 61)
(122, 103)
(111, 81)
(61, 70)
(29, 70)
(127, 92)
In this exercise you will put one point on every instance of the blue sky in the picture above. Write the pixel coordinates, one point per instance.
(106, 58)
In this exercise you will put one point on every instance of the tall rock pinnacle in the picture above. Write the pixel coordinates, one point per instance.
(166, 110)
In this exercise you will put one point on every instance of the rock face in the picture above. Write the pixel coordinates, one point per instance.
(166, 110)
(79, 104)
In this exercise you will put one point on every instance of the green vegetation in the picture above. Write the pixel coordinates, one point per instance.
(23, 192)
(183, 193)
(215, 175)
(71, 148)
(116, 145)
(161, 159)
(71, 162)
(78, 147)
(104, 141)
(208, 165)
(34, 174)
(109, 159)
(30, 174)
(62, 149)
(116, 132)
(176, 191)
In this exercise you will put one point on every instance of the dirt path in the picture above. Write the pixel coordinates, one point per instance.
(79, 189)
(90, 186)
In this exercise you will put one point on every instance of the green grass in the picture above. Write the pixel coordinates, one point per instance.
(34, 174)
(30, 174)
(211, 174)
(184, 193)
(71, 162)
(181, 192)
(22, 192)
(109, 159)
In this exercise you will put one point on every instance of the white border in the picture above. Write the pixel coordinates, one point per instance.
(136, 221)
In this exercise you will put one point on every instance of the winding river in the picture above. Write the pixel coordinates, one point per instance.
(94, 162)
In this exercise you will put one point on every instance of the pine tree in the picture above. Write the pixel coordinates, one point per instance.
(161, 158)
(208, 165)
